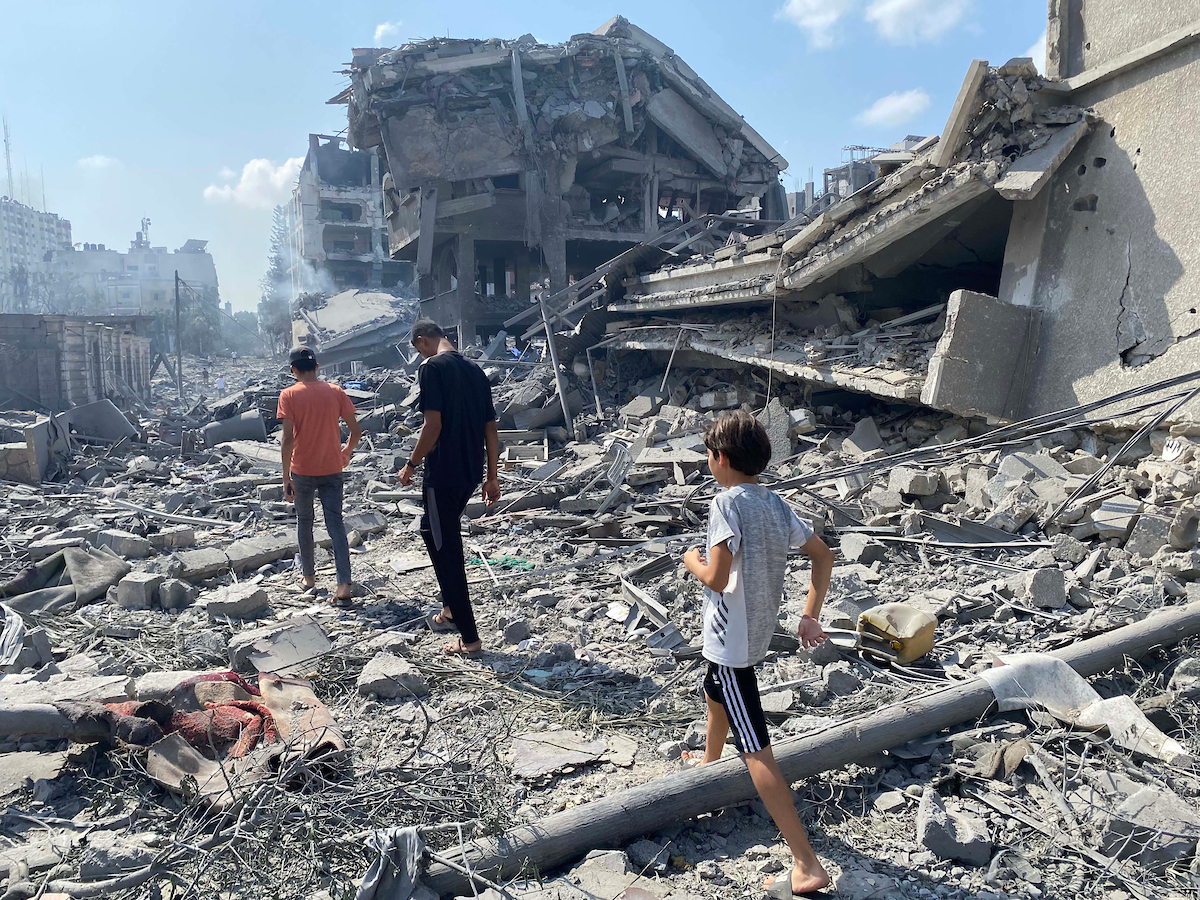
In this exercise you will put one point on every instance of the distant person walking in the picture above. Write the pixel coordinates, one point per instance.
(460, 423)
(220, 385)
(313, 460)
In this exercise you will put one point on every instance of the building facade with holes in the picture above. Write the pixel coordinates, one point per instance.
(53, 362)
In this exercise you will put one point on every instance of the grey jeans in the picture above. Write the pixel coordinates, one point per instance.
(329, 489)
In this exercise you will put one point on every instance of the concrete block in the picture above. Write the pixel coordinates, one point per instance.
(804, 421)
(860, 548)
(1066, 549)
(952, 835)
(172, 537)
(391, 676)
(197, 565)
(138, 590)
(1150, 533)
(1115, 517)
(238, 601)
(1044, 588)
(372, 521)
(18, 462)
(778, 424)
(124, 544)
(1184, 527)
(175, 593)
(864, 439)
(915, 482)
(985, 344)
(250, 553)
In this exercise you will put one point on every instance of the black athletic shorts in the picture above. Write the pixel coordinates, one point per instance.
(737, 691)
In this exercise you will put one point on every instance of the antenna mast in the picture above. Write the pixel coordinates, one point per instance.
(8, 160)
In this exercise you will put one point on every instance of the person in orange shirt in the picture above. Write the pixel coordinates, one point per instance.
(313, 461)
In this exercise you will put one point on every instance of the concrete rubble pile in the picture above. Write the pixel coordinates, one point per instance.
(149, 588)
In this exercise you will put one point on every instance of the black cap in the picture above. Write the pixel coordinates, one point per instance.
(302, 354)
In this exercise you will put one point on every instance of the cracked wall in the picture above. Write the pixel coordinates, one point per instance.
(1118, 277)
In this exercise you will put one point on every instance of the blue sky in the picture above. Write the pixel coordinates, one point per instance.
(190, 113)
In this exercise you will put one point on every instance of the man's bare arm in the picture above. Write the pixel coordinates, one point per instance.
(287, 443)
(355, 437)
(491, 485)
(431, 430)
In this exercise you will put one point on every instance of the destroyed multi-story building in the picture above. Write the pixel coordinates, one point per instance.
(53, 362)
(30, 239)
(337, 237)
(518, 162)
(141, 280)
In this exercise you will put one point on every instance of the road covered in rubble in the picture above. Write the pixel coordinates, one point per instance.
(178, 717)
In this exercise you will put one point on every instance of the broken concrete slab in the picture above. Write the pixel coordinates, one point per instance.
(237, 601)
(125, 544)
(861, 548)
(1155, 827)
(278, 647)
(543, 753)
(914, 482)
(1115, 517)
(1030, 173)
(61, 689)
(1150, 533)
(778, 423)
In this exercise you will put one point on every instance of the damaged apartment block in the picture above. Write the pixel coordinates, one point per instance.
(519, 162)
(336, 232)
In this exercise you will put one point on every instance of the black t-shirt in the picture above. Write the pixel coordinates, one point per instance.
(458, 389)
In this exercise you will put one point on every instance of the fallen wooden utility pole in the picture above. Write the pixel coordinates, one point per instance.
(621, 817)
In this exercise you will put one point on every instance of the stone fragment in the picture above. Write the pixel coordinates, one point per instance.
(542, 753)
(804, 421)
(1045, 588)
(1067, 549)
(778, 425)
(864, 439)
(237, 601)
(952, 835)
(1018, 507)
(138, 590)
(388, 675)
(861, 548)
(890, 801)
(175, 593)
(1115, 517)
(914, 482)
(866, 884)
(1150, 533)
(1155, 827)
(542, 597)
(648, 857)
(515, 632)
(175, 536)
(124, 544)
(1184, 528)
(1185, 680)
(840, 678)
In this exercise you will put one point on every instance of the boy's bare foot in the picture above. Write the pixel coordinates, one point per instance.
(693, 758)
(804, 881)
(458, 648)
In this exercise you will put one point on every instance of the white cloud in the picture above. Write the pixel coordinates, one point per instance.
(1038, 52)
(262, 185)
(895, 109)
(913, 21)
(817, 17)
(99, 161)
(385, 30)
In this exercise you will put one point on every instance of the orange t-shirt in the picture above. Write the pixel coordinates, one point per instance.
(314, 408)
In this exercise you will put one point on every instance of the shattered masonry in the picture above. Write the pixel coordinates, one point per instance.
(950, 363)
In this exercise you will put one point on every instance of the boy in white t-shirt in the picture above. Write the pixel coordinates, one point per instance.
(750, 530)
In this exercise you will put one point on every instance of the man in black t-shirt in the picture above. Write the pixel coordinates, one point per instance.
(460, 423)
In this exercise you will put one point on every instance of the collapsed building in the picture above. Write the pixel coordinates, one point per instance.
(336, 233)
(518, 162)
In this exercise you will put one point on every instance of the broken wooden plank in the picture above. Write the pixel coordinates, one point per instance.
(622, 816)
(960, 115)
(1030, 173)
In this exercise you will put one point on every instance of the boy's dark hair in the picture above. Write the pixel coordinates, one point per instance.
(302, 359)
(426, 328)
(742, 439)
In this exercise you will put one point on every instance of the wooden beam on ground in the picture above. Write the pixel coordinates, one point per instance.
(960, 115)
(620, 817)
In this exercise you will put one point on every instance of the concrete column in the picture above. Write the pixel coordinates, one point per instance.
(467, 330)
(555, 249)
(1023, 252)
(499, 276)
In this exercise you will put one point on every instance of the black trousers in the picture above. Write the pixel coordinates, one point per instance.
(441, 528)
